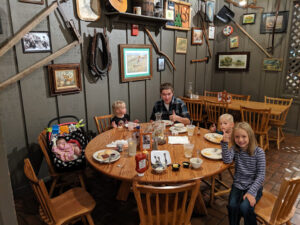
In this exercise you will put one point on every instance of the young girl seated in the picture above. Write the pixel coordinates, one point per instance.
(226, 123)
(250, 166)
(120, 117)
(66, 151)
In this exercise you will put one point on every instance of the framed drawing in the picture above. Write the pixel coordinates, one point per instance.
(210, 10)
(268, 19)
(146, 141)
(181, 45)
(232, 61)
(197, 36)
(88, 10)
(40, 2)
(64, 78)
(136, 62)
(249, 18)
(36, 41)
(211, 32)
(234, 42)
(160, 64)
(272, 64)
(181, 15)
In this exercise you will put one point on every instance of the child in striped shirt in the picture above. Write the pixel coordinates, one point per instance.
(250, 166)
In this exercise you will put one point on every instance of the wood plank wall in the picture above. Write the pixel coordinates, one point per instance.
(26, 107)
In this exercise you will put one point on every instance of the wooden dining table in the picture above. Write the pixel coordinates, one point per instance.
(124, 168)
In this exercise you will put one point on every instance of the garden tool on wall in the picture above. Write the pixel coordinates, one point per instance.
(271, 49)
(205, 59)
(205, 34)
(29, 26)
(226, 15)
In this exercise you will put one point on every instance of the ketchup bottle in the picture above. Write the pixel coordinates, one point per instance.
(141, 163)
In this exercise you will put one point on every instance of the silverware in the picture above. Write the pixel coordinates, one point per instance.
(166, 161)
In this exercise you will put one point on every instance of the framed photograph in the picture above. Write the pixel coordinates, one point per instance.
(268, 19)
(145, 141)
(64, 78)
(88, 10)
(36, 41)
(211, 32)
(136, 62)
(181, 45)
(232, 61)
(197, 36)
(181, 15)
(234, 42)
(249, 18)
(272, 64)
(210, 10)
(40, 2)
(160, 64)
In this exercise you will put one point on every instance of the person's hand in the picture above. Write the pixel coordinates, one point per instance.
(250, 198)
(227, 135)
(213, 128)
(173, 117)
(114, 124)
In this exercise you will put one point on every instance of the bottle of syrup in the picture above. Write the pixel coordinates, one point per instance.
(141, 163)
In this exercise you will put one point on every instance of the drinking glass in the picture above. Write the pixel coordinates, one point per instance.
(188, 150)
(131, 146)
(131, 126)
(158, 116)
(190, 129)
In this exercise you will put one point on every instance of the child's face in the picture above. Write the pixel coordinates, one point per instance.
(61, 143)
(225, 125)
(241, 138)
(121, 110)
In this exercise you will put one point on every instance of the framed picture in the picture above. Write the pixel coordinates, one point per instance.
(234, 42)
(211, 32)
(238, 61)
(136, 62)
(268, 19)
(249, 18)
(160, 64)
(64, 78)
(181, 45)
(36, 41)
(181, 15)
(145, 141)
(40, 2)
(210, 10)
(88, 10)
(272, 64)
(197, 36)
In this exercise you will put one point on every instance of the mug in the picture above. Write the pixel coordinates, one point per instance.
(137, 10)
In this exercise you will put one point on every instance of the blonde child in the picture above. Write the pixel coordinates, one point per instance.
(250, 166)
(120, 114)
(226, 124)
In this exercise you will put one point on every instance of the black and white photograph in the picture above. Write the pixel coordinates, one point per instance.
(36, 41)
(160, 64)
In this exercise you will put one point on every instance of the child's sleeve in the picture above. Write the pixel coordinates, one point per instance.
(227, 154)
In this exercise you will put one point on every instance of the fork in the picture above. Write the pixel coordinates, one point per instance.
(166, 161)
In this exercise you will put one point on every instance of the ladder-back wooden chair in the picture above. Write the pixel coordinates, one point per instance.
(214, 110)
(56, 175)
(211, 93)
(275, 210)
(259, 121)
(278, 121)
(195, 108)
(166, 204)
(72, 205)
(103, 123)
(240, 97)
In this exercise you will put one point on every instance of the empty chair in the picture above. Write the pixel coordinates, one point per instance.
(259, 121)
(195, 108)
(167, 204)
(211, 93)
(214, 110)
(71, 205)
(275, 210)
(278, 121)
(103, 123)
(240, 97)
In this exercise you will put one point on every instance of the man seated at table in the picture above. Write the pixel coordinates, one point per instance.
(172, 108)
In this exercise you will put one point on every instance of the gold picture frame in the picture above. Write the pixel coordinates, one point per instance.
(272, 64)
(234, 42)
(181, 45)
(146, 141)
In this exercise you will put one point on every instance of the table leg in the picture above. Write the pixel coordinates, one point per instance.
(200, 205)
(124, 191)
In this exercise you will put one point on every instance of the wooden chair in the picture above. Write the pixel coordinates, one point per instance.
(211, 93)
(55, 175)
(275, 210)
(167, 204)
(103, 123)
(240, 97)
(74, 204)
(195, 108)
(214, 110)
(278, 121)
(259, 121)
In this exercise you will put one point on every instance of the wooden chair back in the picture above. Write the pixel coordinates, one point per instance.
(195, 108)
(279, 101)
(42, 139)
(103, 123)
(214, 110)
(240, 97)
(211, 93)
(257, 118)
(167, 204)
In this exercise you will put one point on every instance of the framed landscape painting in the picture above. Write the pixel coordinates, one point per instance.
(249, 18)
(232, 61)
(272, 64)
(268, 19)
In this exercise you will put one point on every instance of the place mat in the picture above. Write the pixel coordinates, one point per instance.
(173, 140)
(114, 143)
(161, 154)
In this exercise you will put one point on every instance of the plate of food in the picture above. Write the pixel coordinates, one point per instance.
(179, 129)
(214, 137)
(106, 156)
(212, 153)
(168, 122)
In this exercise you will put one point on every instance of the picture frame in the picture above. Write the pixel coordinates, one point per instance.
(197, 36)
(181, 16)
(64, 78)
(232, 61)
(272, 64)
(211, 32)
(248, 18)
(210, 10)
(40, 2)
(181, 45)
(267, 22)
(36, 42)
(160, 64)
(136, 62)
(234, 42)
(88, 10)
(146, 141)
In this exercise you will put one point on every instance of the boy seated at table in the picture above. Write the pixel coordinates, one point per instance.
(226, 124)
(120, 116)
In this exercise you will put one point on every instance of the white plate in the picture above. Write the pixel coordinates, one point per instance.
(135, 125)
(179, 129)
(168, 122)
(114, 156)
(214, 137)
(212, 153)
